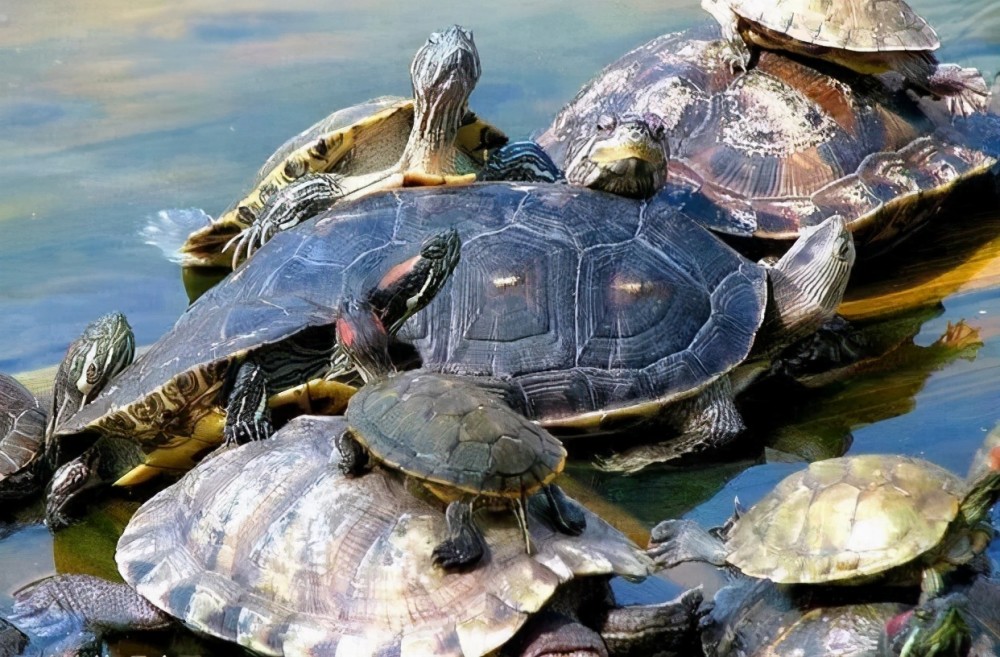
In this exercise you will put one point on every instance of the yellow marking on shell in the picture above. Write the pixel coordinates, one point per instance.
(176, 459)
(209, 428)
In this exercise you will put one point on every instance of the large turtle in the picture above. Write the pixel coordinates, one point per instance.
(599, 312)
(234, 349)
(867, 36)
(783, 145)
(106, 347)
(384, 143)
(272, 547)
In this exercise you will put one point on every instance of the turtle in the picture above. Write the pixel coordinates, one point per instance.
(208, 380)
(866, 36)
(388, 142)
(853, 520)
(269, 545)
(106, 346)
(597, 326)
(785, 145)
(460, 441)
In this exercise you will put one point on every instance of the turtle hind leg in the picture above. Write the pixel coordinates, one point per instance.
(247, 416)
(673, 542)
(520, 161)
(464, 547)
(354, 458)
(562, 513)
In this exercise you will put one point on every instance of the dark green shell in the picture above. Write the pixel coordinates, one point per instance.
(22, 432)
(448, 431)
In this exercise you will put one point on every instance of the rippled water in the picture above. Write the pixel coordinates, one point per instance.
(111, 110)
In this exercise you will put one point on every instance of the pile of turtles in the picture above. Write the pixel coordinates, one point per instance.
(371, 408)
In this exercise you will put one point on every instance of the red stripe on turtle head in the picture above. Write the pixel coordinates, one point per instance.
(398, 272)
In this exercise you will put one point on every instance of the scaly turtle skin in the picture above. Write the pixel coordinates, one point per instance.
(251, 547)
(209, 379)
(867, 36)
(783, 145)
(385, 143)
(106, 347)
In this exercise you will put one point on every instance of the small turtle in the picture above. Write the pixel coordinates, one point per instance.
(431, 139)
(853, 520)
(234, 351)
(867, 36)
(106, 347)
(459, 441)
(272, 547)
(784, 145)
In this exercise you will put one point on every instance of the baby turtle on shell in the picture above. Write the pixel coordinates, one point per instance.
(272, 547)
(459, 441)
(431, 139)
(27, 448)
(853, 520)
(867, 36)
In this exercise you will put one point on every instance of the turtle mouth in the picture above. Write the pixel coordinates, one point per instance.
(629, 176)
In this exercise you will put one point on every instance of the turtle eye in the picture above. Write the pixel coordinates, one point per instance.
(92, 374)
(606, 123)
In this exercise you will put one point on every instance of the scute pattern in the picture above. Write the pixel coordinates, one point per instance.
(846, 518)
(268, 546)
(22, 426)
(447, 431)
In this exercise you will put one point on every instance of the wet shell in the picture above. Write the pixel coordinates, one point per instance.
(22, 426)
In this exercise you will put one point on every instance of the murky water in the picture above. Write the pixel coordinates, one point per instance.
(111, 110)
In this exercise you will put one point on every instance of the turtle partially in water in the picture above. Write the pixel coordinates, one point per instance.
(209, 379)
(429, 139)
(785, 145)
(867, 36)
(270, 546)
(104, 349)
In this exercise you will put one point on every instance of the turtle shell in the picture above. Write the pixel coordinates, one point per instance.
(22, 431)
(856, 25)
(448, 431)
(782, 146)
(846, 518)
(271, 547)
(595, 324)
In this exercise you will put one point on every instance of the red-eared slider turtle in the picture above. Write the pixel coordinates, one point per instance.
(462, 443)
(234, 348)
(430, 139)
(596, 325)
(853, 520)
(272, 547)
(106, 347)
(784, 145)
(867, 36)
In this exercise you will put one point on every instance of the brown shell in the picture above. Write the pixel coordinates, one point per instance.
(22, 426)
(271, 547)
(846, 518)
(446, 430)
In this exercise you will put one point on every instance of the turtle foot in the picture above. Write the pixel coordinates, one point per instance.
(673, 542)
(560, 511)
(464, 547)
(247, 415)
(963, 90)
(354, 460)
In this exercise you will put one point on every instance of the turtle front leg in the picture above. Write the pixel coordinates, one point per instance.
(354, 458)
(247, 415)
(464, 546)
(560, 511)
(674, 542)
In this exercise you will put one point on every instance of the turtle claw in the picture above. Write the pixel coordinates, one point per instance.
(464, 546)
(673, 542)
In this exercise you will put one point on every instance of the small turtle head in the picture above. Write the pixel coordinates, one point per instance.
(626, 155)
(446, 67)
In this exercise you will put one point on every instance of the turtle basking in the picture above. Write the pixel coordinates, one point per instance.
(430, 139)
(785, 145)
(867, 36)
(106, 347)
(209, 379)
(272, 547)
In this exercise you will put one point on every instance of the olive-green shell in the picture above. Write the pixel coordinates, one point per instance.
(448, 431)
(858, 25)
(846, 518)
(22, 426)
(270, 546)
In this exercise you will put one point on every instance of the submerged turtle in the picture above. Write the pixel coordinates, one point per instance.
(784, 145)
(867, 36)
(853, 520)
(302, 585)
(595, 325)
(106, 347)
(234, 349)
(430, 139)
(462, 443)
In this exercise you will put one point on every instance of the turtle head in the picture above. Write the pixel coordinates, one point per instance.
(410, 285)
(626, 155)
(106, 347)
(937, 627)
(444, 72)
(362, 337)
(70, 481)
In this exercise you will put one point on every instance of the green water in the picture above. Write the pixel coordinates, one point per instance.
(113, 109)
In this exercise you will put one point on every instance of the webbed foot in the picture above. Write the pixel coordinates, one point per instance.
(464, 546)
(963, 90)
(560, 511)
(354, 460)
(673, 542)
